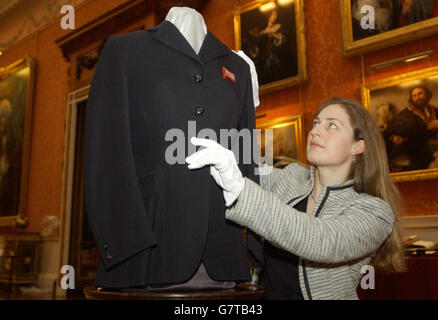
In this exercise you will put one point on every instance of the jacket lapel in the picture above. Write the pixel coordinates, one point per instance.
(212, 48)
(167, 33)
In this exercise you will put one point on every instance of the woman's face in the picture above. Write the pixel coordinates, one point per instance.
(330, 143)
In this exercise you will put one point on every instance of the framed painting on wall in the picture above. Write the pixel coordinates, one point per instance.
(16, 91)
(405, 108)
(395, 22)
(271, 33)
(285, 142)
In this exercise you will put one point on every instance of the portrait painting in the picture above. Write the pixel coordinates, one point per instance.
(406, 110)
(393, 22)
(271, 33)
(284, 141)
(16, 87)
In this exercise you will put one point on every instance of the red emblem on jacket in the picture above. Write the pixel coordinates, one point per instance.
(228, 74)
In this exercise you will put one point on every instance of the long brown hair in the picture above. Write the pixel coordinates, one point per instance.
(370, 172)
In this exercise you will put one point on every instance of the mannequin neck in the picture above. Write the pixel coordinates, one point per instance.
(190, 23)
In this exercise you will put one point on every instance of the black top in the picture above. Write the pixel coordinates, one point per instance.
(280, 276)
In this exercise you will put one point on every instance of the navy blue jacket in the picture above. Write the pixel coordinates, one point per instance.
(154, 222)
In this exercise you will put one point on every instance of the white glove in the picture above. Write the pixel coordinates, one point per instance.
(223, 167)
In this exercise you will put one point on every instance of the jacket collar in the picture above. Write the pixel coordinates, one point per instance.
(308, 187)
(336, 186)
(308, 183)
(168, 33)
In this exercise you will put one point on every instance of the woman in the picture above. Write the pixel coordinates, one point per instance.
(336, 217)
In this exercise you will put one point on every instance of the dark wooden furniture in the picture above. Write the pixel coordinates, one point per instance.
(243, 291)
(19, 259)
(419, 282)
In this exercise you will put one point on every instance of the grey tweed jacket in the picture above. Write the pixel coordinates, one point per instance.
(333, 243)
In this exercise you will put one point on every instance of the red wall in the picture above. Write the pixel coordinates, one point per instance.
(329, 75)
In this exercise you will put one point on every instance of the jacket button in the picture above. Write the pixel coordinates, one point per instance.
(199, 111)
(108, 256)
(198, 77)
(105, 246)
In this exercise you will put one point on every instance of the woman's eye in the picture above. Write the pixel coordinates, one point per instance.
(332, 125)
(315, 123)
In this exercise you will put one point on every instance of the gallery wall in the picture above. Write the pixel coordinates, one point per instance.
(329, 74)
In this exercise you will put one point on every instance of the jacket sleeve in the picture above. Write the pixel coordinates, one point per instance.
(267, 181)
(112, 194)
(358, 232)
(247, 121)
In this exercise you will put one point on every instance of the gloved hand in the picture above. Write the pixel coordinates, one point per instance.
(223, 167)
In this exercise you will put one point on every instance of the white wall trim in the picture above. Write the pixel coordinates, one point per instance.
(73, 99)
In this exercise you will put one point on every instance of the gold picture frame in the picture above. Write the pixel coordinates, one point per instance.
(16, 93)
(268, 37)
(398, 33)
(288, 140)
(385, 99)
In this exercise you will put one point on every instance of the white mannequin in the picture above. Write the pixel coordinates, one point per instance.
(190, 23)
